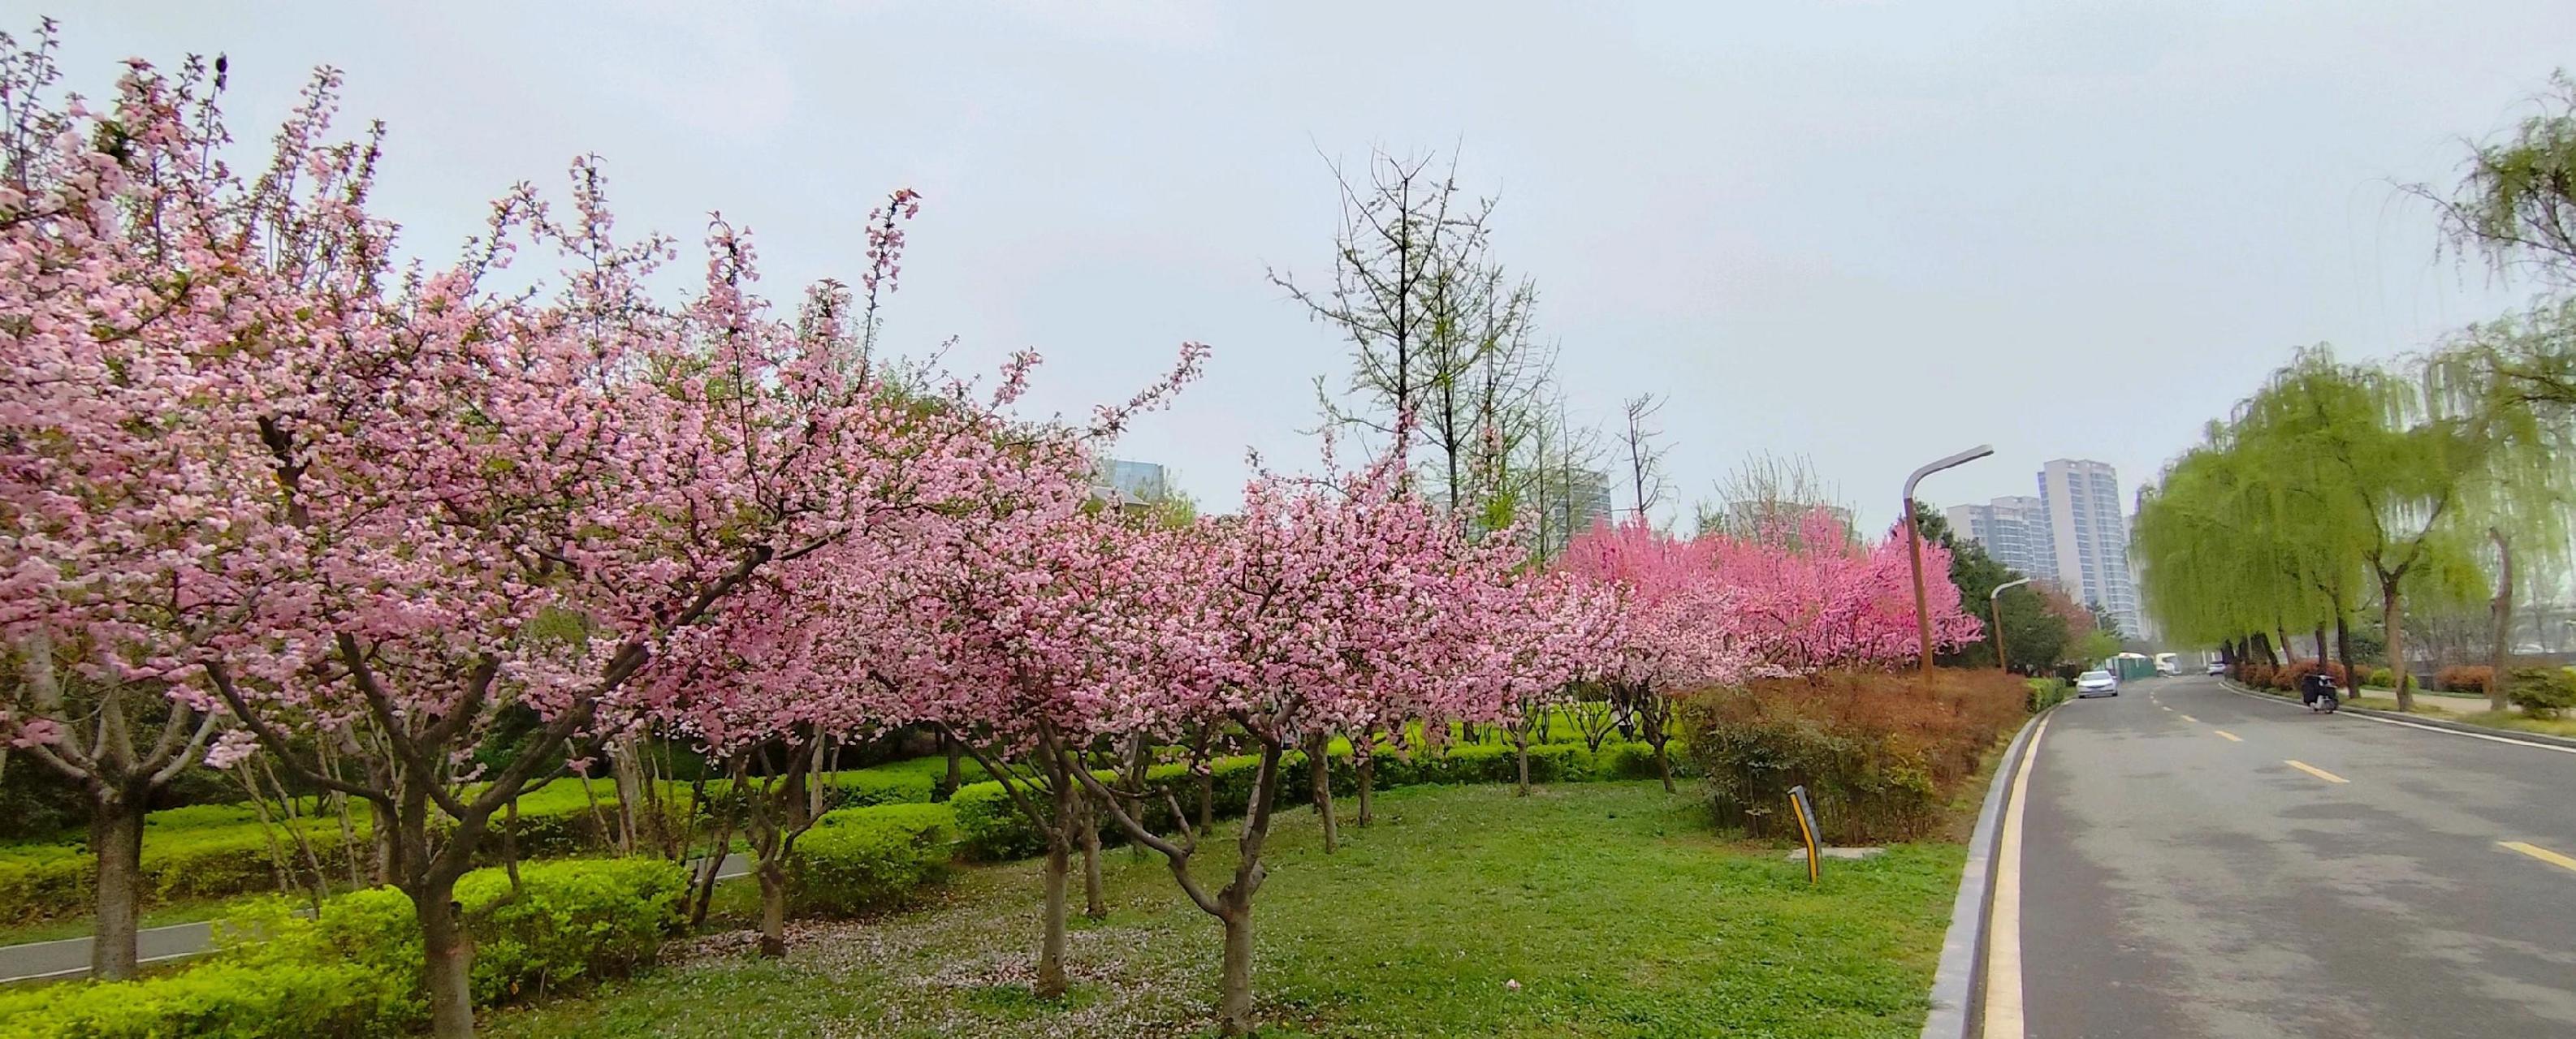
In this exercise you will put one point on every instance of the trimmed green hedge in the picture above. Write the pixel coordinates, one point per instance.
(864, 858)
(213, 851)
(354, 970)
(991, 827)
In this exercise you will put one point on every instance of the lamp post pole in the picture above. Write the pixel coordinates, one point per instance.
(1914, 544)
(1995, 613)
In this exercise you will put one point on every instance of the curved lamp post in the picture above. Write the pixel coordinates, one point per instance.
(1914, 542)
(1995, 611)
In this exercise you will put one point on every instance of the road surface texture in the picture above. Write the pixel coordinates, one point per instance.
(69, 957)
(2180, 876)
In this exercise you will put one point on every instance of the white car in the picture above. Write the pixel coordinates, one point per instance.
(2096, 683)
(2217, 667)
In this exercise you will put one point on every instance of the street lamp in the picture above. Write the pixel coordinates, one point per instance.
(1995, 612)
(1914, 543)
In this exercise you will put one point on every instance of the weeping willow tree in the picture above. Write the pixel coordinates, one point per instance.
(2504, 378)
(2331, 483)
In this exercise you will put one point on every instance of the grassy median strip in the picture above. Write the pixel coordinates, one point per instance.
(1585, 909)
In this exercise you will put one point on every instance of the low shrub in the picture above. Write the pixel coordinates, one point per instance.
(2465, 678)
(2258, 676)
(2541, 692)
(236, 1000)
(864, 858)
(1878, 753)
(2382, 678)
(354, 969)
(2046, 693)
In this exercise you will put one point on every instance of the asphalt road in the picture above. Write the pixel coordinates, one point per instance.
(69, 957)
(2176, 882)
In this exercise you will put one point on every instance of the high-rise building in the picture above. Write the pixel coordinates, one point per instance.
(2089, 525)
(2014, 531)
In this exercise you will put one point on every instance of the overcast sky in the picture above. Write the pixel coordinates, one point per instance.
(1871, 233)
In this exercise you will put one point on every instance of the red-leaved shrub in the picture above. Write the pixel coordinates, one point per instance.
(2465, 678)
(2257, 675)
(1879, 753)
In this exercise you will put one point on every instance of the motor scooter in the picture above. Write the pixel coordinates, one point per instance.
(2319, 693)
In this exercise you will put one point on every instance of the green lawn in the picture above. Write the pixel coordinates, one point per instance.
(1610, 904)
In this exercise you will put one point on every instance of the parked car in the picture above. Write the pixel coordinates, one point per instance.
(2097, 683)
(2217, 667)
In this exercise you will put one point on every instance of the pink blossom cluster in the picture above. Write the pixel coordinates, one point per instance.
(1789, 600)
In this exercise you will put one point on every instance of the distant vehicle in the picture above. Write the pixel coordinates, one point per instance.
(2168, 664)
(2096, 683)
(2217, 667)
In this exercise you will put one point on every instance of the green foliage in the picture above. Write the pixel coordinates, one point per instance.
(2541, 692)
(229, 1000)
(354, 969)
(2047, 692)
(1413, 929)
(992, 828)
(864, 858)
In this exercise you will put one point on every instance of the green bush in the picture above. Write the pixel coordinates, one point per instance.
(354, 969)
(2382, 678)
(2046, 693)
(863, 858)
(220, 999)
(2541, 692)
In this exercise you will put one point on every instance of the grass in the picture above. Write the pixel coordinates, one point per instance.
(1610, 905)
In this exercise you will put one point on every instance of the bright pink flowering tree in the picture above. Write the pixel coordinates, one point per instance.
(1675, 629)
(1809, 598)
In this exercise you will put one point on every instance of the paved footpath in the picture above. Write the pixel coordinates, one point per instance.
(2200, 862)
(69, 957)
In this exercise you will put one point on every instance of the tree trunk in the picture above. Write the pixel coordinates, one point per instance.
(1234, 1005)
(1367, 768)
(447, 958)
(2393, 615)
(1095, 905)
(384, 829)
(1320, 768)
(2343, 648)
(1664, 767)
(2323, 653)
(773, 908)
(1059, 863)
(1520, 750)
(956, 767)
(2503, 611)
(116, 838)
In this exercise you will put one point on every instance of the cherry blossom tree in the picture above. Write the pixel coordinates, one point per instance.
(134, 534)
(1803, 597)
(1324, 605)
(1674, 629)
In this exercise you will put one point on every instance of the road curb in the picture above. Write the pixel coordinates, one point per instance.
(2418, 720)
(1963, 947)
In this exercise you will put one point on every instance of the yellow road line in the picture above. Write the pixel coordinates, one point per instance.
(2231, 737)
(2003, 921)
(2190, 719)
(2537, 852)
(2315, 771)
(2162, 707)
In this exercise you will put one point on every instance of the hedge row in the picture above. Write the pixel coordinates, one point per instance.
(354, 968)
(863, 858)
(992, 828)
(213, 851)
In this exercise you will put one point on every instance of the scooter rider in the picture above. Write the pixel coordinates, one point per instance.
(2316, 686)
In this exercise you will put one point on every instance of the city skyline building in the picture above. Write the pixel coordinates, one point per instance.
(2088, 526)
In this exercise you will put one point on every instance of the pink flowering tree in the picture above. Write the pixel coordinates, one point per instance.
(1004, 609)
(1544, 633)
(1804, 597)
(1674, 628)
(1321, 607)
(133, 485)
